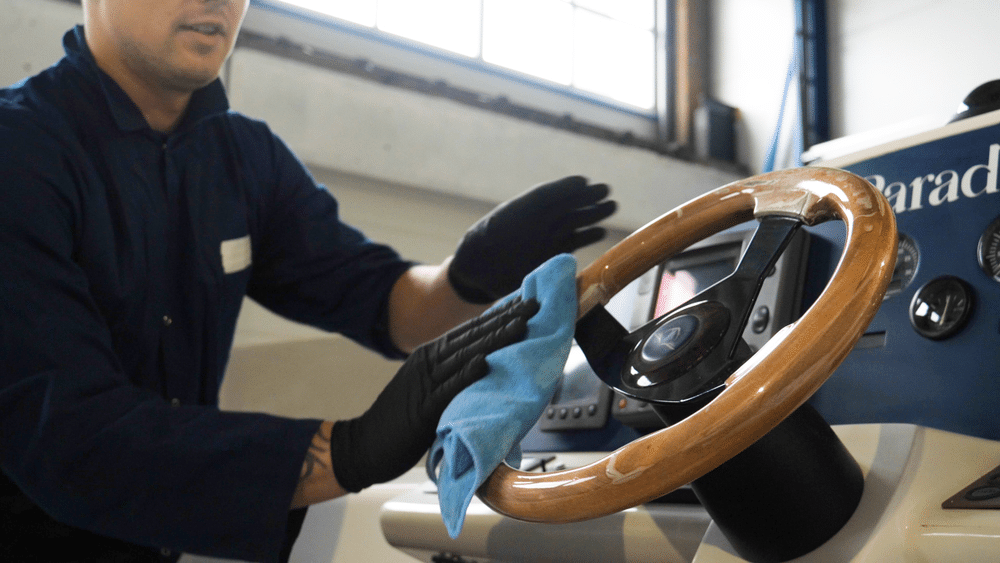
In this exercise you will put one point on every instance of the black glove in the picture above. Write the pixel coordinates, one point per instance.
(400, 426)
(502, 248)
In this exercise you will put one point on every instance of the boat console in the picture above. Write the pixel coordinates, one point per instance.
(889, 450)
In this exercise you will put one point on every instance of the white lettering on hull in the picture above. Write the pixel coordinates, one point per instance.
(946, 186)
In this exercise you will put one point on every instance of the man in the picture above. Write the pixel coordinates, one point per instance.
(135, 214)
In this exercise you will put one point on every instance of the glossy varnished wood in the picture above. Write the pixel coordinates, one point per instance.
(761, 393)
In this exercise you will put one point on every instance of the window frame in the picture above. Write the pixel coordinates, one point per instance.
(464, 78)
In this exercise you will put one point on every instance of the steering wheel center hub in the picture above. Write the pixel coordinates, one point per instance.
(670, 339)
(675, 344)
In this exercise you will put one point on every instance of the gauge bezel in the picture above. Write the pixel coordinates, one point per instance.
(989, 262)
(953, 327)
(905, 242)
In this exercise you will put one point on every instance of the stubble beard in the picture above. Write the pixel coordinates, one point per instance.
(158, 71)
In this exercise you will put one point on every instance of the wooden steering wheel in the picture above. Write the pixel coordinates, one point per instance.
(762, 391)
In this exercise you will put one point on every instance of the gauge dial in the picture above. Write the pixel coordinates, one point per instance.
(907, 261)
(989, 250)
(941, 308)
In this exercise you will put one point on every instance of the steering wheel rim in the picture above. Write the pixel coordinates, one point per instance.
(761, 393)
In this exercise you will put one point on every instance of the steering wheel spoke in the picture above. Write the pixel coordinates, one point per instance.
(605, 343)
(738, 292)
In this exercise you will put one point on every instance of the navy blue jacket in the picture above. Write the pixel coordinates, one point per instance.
(125, 254)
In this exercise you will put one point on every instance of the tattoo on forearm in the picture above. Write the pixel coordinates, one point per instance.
(317, 456)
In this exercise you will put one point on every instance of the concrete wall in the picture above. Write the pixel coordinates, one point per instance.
(898, 61)
(30, 35)
(897, 65)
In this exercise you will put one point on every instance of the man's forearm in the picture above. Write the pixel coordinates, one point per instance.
(423, 306)
(317, 483)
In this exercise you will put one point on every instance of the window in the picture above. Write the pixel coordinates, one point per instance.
(605, 49)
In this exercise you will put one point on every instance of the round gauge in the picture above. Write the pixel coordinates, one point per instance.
(907, 261)
(941, 308)
(989, 250)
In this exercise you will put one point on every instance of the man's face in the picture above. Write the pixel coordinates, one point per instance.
(177, 45)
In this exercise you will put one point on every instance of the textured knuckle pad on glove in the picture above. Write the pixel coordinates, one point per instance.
(465, 354)
(397, 430)
(486, 334)
(465, 373)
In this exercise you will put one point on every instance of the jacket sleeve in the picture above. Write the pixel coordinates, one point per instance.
(91, 449)
(313, 268)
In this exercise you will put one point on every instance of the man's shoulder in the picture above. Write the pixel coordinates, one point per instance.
(30, 113)
(254, 136)
(244, 125)
(18, 104)
(38, 140)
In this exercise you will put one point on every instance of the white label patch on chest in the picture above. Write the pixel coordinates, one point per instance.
(236, 255)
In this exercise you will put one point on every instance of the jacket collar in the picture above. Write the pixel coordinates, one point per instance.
(205, 102)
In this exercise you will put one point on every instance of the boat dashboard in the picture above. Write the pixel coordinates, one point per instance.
(914, 402)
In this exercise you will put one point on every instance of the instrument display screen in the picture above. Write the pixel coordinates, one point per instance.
(678, 284)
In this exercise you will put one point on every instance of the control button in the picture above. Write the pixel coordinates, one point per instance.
(591, 410)
(761, 318)
(622, 404)
(563, 413)
(551, 413)
(175, 402)
(983, 493)
(577, 412)
(941, 308)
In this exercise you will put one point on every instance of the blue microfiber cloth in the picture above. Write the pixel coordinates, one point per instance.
(485, 423)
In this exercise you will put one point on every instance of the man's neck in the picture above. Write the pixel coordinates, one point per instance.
(163, 110)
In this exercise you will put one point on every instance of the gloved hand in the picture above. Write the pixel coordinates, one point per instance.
(400, 426)
(502, 248)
